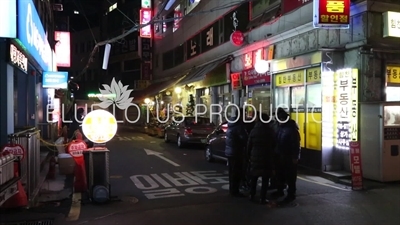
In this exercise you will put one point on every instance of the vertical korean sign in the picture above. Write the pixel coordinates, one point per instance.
(346, 110)
(145, 18)
(331, 14)
(356, 168)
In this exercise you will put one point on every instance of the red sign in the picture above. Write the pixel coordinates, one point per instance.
(290, 5)
(237, 38)
(236, 82)
(356, 168)
(15, 149)
(145, 18)
(146, 71)
(248, 60)
(76, 148)
(251, 77)
(334, 12)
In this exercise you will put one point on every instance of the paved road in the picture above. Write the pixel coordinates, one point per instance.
(179, 187)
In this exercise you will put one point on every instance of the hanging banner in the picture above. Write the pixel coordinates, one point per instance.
(331, 14)
(145, 18)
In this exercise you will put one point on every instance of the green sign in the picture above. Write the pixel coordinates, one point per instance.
(146, 3)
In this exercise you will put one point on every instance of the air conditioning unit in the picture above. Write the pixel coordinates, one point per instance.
(58, 7)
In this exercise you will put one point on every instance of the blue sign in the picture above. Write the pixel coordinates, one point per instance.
(32, 35)
(56, 80)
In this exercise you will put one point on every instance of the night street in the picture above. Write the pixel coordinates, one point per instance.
(158, 183)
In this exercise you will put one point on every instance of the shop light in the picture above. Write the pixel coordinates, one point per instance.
(147, 101)
(178, 90)
(261, 66)
(101, 96)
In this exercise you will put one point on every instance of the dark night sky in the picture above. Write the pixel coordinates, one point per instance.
(89, 8)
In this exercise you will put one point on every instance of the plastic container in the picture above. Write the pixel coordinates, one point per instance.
(66, 164)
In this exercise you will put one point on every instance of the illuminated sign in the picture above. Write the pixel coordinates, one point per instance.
(146, 4)
(258, 55)
(63, 48)
(313, 75)
(393, 74)
(346, 107)
(145, 18)
(248, 60)
(99, 126)
(236, 82)
(18, 58)
(328, 108)
(56, 80)
(8, 12)
(290, 78)
(32, 34)
(270, 54)
(391, 24)
(332, 14)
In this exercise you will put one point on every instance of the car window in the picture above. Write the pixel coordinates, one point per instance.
(201, 121)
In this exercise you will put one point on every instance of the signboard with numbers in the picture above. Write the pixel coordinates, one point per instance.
(251, 77)
(356, 167)
(193, 47)
(346, 112)
(393, 74)
(290, 78)
(313, 75)
(210, 37)
(332, 14)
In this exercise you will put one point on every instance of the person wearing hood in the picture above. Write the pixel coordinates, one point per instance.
(235, 144)
(288, 154)
(260, 147)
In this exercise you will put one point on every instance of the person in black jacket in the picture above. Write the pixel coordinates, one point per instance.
(261, 145)
(288, 154)
(235, 143)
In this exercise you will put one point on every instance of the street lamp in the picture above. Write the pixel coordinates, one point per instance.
(147, 101)
(261, 66)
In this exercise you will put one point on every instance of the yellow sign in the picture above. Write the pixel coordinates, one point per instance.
(290, 78)
(99, 126)
(393, 74)
(313, 75)
(270, 55)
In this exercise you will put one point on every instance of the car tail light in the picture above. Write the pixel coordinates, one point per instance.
(188, 131)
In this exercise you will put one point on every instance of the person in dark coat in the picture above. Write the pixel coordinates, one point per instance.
(235, 143)
(246, 177)
(261, 145)
(288, 152)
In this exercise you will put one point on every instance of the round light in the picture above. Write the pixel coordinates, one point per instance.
(99, 126)
(178, 90)
(261, 66)
(147, 101)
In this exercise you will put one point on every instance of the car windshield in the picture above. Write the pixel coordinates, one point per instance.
(199, 121)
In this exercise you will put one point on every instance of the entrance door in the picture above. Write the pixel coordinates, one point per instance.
(297, 110)
(313, 129)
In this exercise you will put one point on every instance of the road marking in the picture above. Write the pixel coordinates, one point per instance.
(115, 177)
(159, 155)
(323, 184)
(75, 209)
(177, 184)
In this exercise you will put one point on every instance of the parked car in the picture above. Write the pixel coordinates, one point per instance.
(189, 130)
(215, 146)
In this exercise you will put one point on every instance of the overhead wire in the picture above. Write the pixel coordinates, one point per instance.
(151, 22)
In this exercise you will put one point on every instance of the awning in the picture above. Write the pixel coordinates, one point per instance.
(199, 73)
(155, 88)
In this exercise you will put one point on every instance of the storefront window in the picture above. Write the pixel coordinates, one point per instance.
(298, 97)
(262, 100)
(392, 94)
(282, 97)
(314, 98)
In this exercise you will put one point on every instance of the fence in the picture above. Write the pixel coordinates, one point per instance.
(30, 164)
(49, 131)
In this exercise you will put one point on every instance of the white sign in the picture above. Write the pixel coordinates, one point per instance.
(18, 58)
(146, 4)
(8, 12)
(178, 184)
(391, 24)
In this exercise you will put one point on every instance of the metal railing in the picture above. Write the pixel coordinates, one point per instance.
(29, 139)
(49, 131)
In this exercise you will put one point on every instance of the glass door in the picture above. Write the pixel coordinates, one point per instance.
(297, 110)
(313, 129)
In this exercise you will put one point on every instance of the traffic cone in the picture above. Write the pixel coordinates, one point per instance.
(20, 199)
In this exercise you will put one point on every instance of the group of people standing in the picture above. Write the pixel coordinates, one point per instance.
(269, 150)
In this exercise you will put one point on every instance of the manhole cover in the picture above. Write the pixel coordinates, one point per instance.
(130, 199)
(30, 222)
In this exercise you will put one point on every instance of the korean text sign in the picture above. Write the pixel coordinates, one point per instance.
(63, 48)
(356, 168)
(332, 13)
(145, 18)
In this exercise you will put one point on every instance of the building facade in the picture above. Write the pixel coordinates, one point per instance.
(333, 82)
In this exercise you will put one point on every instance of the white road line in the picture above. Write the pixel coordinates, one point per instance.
(323, 184)
(75, 210)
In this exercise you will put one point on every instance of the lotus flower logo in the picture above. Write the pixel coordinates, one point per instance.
(116, 94)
